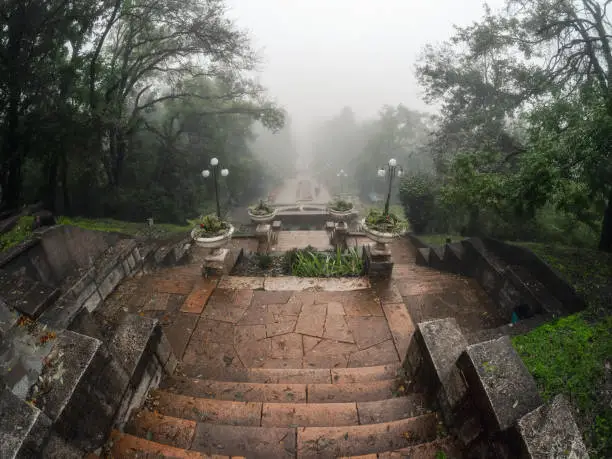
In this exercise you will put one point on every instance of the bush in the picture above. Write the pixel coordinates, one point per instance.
(210, 226)
(264, 261)
(417, 194)
(261, 209)
(322, 264)
(389, 223)
(340, 205)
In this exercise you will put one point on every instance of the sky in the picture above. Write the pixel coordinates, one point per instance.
(321, 55)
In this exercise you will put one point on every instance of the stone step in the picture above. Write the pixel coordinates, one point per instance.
(447, 445)
(422, 256)
(127, 446)
(333, 442)
(26, 295)
(194, 409)
(430, 450)
(236, 391)
(353, 392)
(292, 375)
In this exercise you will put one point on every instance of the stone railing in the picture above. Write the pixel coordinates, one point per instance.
(65, 379)
(487, 396)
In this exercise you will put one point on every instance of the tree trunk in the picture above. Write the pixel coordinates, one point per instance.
(605, 240)
(51, 190)
(11, 193)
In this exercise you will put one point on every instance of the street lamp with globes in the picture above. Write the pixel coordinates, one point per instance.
(393, 171)
(214, 162)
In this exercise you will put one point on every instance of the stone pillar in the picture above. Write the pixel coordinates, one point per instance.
(378, 261)
(276, 228)
(219, 262)
(263, 234)
(340, 235)
(329, 228)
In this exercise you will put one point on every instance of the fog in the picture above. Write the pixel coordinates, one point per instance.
(319, 56)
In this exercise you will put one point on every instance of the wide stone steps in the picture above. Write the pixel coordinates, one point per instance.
(280, 414)
(428, 450)
(292, 375)
(284, 442)
(127, 446)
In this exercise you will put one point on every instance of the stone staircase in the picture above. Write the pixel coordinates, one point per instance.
(286, 413)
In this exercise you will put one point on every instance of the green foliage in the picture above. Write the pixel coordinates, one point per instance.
(290, 256)
(417, 194)
(117, 226)
(377, 220)
(210, 226)
(569, 356)
(321, 264)
(21, 232)
(340, 205)
(264, 260)
(261, 208)
(572, 355)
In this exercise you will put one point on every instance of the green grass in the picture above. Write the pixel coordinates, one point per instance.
(573, 355)
(131, 228)
(20, 233)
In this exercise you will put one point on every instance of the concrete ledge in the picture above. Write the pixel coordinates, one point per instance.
(377, 265)
(144, 352)
(23, 427)
(431, 364)
(68, 391)
(500, 384)
(550, 431)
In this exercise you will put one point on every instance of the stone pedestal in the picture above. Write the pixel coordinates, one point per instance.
(218, 262)
(340, 235)
(263, 234)
(276, 228)
(377, 261)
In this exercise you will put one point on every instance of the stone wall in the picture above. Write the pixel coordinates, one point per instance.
(84, 379)
(487, 396)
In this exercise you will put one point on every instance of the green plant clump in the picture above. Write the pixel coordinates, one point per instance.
(571, 356)
(20, 233)
(340, 205)
(323, 264)
(261, 209)
(389, 223)
(210, 226)
(264, 260)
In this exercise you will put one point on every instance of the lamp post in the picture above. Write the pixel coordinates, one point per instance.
(394, 170)
(341, 175)
(214, 163)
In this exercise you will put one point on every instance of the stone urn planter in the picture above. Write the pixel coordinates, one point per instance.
(212, 233)
(382, 238)
(340, 210)
(340, 215)
(215, 242)
(262, 213)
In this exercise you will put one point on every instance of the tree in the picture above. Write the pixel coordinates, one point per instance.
(533, 54)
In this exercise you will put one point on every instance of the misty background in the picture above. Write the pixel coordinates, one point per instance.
(318, 57)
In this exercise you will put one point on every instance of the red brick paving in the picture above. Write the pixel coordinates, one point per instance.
(235, 323)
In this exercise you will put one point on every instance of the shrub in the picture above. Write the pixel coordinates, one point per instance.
(389, 223)
(340, 205)
(210, 226)
(264, 260)
(325, 264)
(261, 209)
(417, 194)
